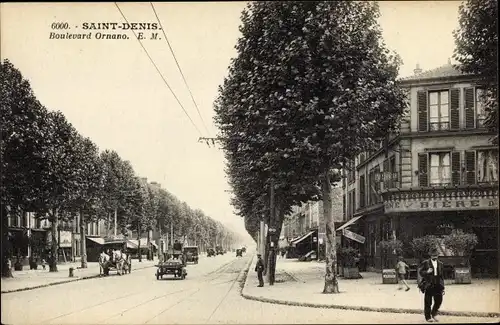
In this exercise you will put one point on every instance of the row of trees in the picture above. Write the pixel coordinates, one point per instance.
(312, 86)
(50, 169)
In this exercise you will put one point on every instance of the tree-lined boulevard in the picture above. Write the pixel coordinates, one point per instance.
(312, 85)
(52, 170)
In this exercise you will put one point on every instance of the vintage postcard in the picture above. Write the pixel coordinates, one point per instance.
(238, 162)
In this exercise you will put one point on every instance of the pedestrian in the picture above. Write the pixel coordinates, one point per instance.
(44, 263)
(401, 268)
(259, 268)
(432, 285)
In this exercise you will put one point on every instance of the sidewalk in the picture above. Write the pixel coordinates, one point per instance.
(32, 279)
(301, 283)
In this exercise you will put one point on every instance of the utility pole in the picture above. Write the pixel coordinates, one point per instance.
(171, 234)
(116, 220)
(272, 235)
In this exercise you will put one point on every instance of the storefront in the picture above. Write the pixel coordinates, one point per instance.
(416, 214)
(304, 244)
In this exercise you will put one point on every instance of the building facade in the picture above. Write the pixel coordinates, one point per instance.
(439, 172)
(304, 228)
(30, 237)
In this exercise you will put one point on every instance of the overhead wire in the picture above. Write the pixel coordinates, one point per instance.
(159, 72)
(179, 67)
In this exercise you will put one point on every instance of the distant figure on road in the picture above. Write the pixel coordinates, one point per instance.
(432, 285)
(401, 267)
(259, 268)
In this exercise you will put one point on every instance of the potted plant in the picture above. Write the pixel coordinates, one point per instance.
(461, 244)
(349, 257)
(422, 245)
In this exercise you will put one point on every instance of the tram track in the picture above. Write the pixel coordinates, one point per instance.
(218, 273)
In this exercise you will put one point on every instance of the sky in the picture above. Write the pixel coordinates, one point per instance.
(110, 91)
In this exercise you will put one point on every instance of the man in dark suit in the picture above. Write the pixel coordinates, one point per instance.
(432, 285)
(259, 268)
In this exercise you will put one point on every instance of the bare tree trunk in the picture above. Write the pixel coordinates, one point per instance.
(108, 224)
(331, 281)
(83, 241)
(139, 242)
(150, 255)
(115, 229)
(55, 244)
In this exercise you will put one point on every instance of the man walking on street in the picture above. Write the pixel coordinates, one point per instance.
(432, 285)
(259, 268)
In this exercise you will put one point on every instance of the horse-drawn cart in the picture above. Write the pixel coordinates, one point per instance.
(114, 258)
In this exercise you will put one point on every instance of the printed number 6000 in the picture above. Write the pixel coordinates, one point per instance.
(60, 25)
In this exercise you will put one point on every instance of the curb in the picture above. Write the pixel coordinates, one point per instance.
(242, 277)
(359, 308)
(62, 282)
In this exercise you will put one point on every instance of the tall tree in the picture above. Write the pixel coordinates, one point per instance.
(91, 177)
(21, 115)
(316, 86)
(58, 180)
(476, 41)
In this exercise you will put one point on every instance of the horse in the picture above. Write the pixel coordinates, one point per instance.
(104, 261)
(121, 262)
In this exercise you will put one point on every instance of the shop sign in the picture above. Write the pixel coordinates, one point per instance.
(65, 239)
(351, 235)
(440, 205)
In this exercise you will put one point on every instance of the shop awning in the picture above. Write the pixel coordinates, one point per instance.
(349, 223)
(298, 240)
(97, 240)
(134, 243)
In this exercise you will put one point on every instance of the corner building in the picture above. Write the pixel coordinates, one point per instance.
(439, 172)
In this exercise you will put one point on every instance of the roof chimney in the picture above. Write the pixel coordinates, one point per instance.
(417, 69)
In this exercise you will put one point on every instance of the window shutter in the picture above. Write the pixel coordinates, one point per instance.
(470, 167)
(423, 180)
(455, 109)
(469, 108)
(455, 167)
(422, 111)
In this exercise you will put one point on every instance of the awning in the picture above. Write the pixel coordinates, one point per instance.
(298, 240)
(348, 223)
(134, 243)
(97, 240)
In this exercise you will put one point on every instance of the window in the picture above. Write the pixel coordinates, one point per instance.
(440, 168)
(439, 118)
(487, 166)
(481, 113)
